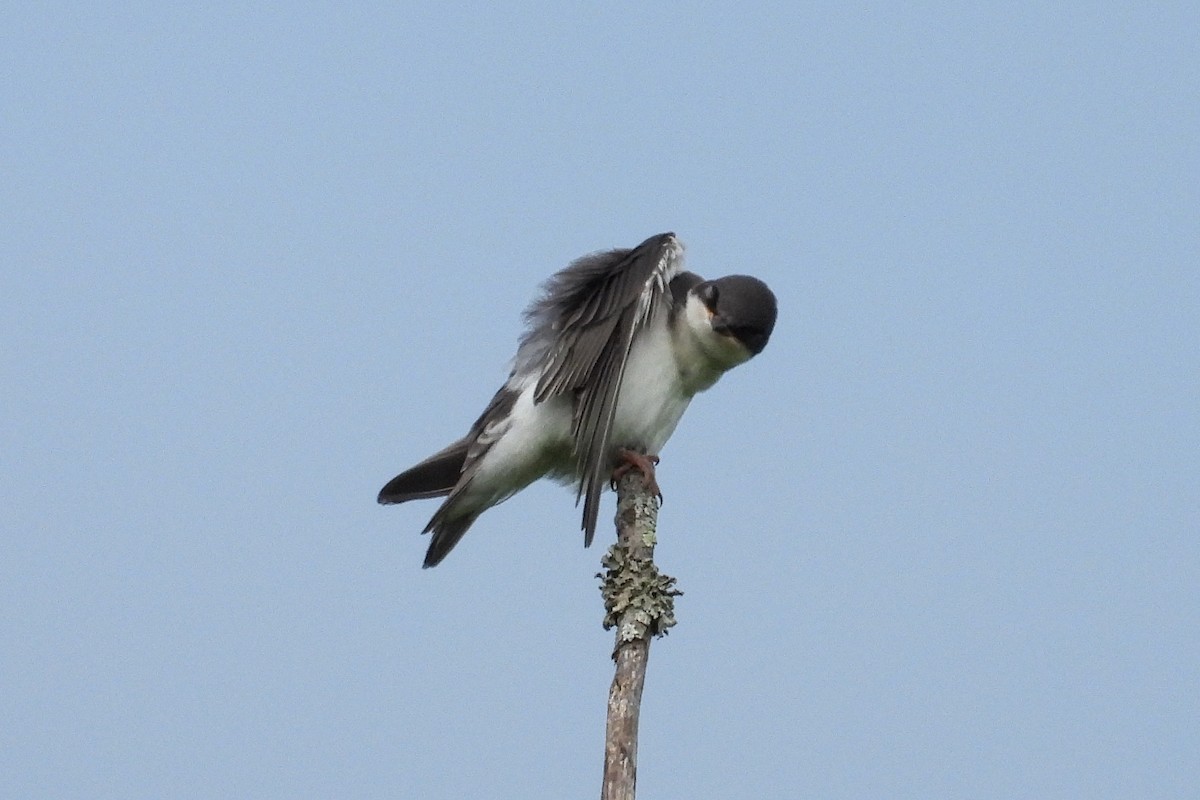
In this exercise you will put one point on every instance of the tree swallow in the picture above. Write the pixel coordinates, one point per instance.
(614, 350)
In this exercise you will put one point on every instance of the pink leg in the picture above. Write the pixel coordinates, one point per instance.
(642, 463)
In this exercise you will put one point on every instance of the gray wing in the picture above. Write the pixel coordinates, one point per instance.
(581, 332)
(449, 523)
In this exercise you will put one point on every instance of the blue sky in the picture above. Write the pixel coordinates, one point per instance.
(938, 540)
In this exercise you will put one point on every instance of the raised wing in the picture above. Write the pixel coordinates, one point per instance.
(581, 332)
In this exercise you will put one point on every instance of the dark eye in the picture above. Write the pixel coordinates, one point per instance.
(708, 295)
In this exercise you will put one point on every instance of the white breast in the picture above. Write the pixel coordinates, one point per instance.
(653, 397)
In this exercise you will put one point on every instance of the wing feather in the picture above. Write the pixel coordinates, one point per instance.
(581, 333)
(486, 431)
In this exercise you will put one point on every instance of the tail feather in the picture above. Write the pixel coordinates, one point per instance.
(446, 534)
(436, 476)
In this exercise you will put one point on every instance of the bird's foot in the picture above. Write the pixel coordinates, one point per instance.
(643, 463)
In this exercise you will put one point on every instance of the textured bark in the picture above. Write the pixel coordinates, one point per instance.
(639, 603)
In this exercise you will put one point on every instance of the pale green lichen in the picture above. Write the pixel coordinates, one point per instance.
(637, 596)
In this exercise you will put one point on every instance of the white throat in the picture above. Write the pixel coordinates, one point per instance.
(701, 353)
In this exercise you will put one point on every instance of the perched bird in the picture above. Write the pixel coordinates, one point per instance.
(614, 350)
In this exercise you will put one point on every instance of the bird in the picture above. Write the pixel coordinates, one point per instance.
(615, 347)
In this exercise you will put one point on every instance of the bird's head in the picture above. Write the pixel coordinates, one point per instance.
(734, 316)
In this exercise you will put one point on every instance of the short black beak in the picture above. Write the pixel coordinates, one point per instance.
(755, 341)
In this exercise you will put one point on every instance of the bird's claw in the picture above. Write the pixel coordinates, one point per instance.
(643, 463)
